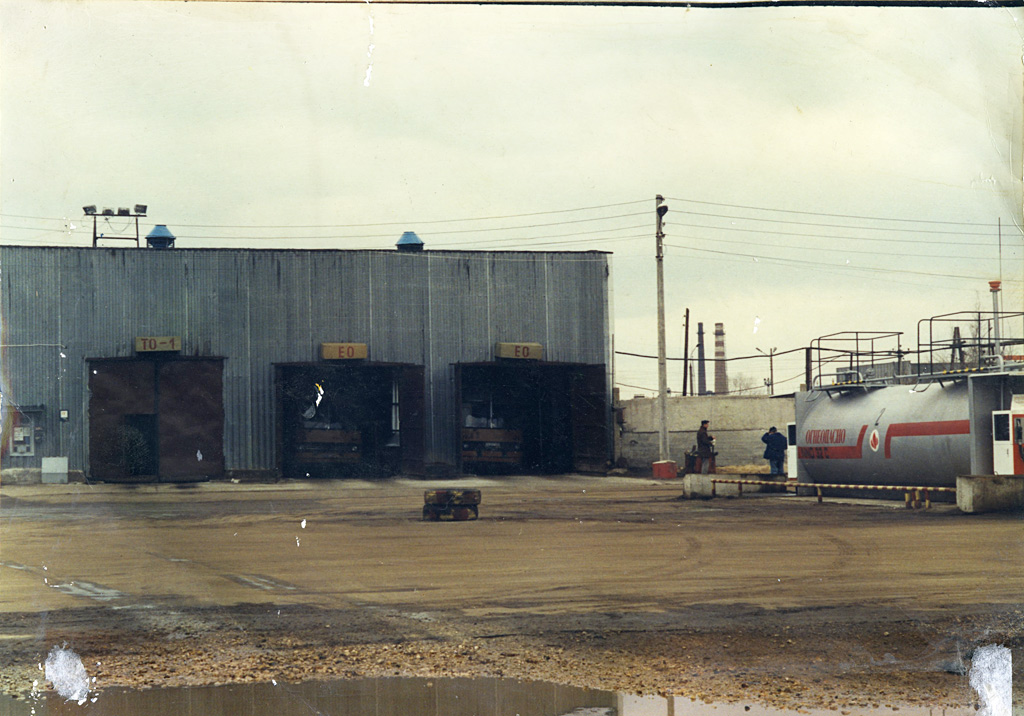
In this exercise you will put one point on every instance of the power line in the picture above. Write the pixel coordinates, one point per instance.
(720, 360)
(853, 251)
(887, 239)
(441, 233)
(836, 216)
(438, 235)
(842, 271)
(635, 387)
(514, 239)
(475, 230)
(388, 223)
(831, 226)
(603, 234)
(820, 263)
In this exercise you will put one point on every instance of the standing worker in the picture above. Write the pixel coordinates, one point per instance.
(775, 449)
(705, 447)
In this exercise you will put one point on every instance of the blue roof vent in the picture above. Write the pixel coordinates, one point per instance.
(410, 242)
(160, 238)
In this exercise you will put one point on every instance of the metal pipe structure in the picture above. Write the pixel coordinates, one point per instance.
(993, 286)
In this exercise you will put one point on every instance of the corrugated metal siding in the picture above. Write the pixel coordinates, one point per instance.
(33, 347)
(446, 348)
(257, 308)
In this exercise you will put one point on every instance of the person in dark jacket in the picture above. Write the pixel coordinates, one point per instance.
(775, 449)
(705, 446)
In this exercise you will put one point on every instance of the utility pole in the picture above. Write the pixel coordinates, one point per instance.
(686, 348)
(771, 369)
(660, 209)
(702, 385)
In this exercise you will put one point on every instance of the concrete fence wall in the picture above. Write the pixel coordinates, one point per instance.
(736, 422)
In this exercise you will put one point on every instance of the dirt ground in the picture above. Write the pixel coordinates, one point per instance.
(609, 583)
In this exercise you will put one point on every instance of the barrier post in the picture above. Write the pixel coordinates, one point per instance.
(819, 495)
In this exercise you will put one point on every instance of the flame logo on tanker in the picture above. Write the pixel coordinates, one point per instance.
(873, 442)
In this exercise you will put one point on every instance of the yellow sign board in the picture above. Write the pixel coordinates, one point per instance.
(520, 351)
(151, 344)
(343, 351)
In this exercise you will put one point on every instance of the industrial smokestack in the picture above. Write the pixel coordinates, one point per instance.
(721, 378)
(702, 385)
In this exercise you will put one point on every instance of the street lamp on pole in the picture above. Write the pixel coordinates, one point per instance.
(660, 210)
(771, 368)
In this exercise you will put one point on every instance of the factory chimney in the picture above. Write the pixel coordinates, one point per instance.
(721, 378)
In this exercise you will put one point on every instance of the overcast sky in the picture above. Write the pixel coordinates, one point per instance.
(826, 169)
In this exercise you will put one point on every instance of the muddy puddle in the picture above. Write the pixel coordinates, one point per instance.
(399, 697)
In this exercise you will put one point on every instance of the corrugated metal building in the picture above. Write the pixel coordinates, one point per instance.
(178, 364)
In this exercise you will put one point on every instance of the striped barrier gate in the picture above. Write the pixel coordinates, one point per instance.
(913, 495)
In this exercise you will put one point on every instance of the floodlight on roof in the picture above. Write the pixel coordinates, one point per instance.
(124, 212)
(89, 210)
(140, 209)
(108, 212)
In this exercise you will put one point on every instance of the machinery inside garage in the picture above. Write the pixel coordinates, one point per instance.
(349, 420)
(531, 416)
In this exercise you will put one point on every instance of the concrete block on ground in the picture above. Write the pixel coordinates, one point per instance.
(989, 493)
(55, 471)
(696, 485)
(21, 476)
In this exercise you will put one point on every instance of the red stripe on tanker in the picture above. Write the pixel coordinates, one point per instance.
(935, 427)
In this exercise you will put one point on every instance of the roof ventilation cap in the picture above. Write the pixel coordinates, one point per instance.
(410, 242)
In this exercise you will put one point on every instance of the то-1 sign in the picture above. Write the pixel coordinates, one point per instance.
(343, 351)
(522, 351)
(149, 344)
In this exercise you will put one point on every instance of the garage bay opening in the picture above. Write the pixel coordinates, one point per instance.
(540, 418)
(362, 420)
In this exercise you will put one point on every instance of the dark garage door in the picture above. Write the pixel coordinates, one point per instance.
(156, 420)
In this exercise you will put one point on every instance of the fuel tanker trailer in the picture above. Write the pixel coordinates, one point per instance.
(924, 433)
(886, 435)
